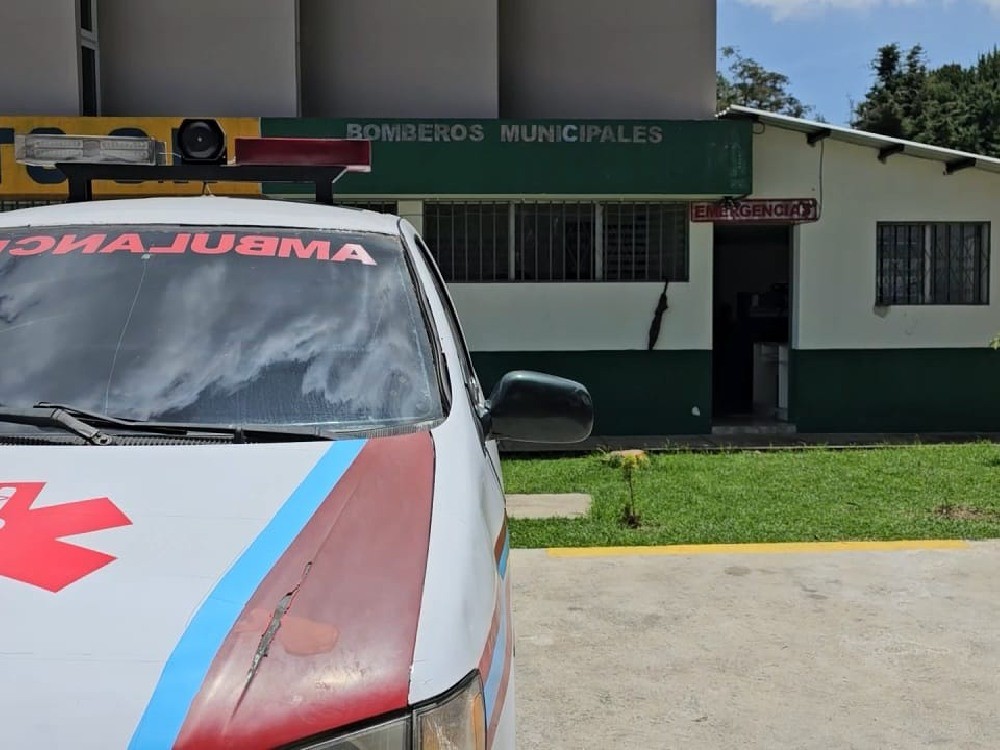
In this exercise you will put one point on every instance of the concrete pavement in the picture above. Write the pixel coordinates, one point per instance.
(860, 649)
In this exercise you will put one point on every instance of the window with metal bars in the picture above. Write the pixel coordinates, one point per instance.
(470, 241)
(554, 241)
(13, 205)
(933, 263)
(645, 241)
(382, 207)
(558, 241)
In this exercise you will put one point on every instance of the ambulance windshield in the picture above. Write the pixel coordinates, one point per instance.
(235, 325)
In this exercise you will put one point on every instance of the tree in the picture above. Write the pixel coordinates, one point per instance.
(949, 106)
(749, 84)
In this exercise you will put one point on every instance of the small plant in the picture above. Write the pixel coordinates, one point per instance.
(629, 462)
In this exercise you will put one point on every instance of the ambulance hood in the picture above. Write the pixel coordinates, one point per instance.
(208, 596)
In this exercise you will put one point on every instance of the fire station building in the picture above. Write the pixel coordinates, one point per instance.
(594, 214)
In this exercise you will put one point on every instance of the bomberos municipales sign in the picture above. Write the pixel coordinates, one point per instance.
(759, 211)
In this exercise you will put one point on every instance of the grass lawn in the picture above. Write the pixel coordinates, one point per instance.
(922, 492)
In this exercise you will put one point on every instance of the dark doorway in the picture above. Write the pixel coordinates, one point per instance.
(751, 323)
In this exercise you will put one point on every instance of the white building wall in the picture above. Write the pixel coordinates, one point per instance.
(835, 258)
(385, 58)
(228, 58)
(598, 59)
(591, 316)
(39, 57)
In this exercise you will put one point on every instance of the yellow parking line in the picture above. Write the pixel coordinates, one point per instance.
(757, 549)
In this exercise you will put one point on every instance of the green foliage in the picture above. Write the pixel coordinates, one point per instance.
(749, 84)
(929, 492)
(950, 106)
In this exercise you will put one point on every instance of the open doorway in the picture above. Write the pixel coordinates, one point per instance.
(752, 325)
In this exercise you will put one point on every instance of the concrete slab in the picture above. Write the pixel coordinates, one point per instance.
(853, 649)
(548, 506)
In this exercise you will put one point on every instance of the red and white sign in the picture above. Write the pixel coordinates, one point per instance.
(767, 210)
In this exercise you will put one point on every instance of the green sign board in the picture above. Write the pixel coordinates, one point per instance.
(538, 157)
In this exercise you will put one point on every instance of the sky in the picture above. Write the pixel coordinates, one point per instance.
(825, 46)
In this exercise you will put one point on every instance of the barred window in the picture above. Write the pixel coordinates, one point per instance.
(933, 263)
(13, 205)
(645, 241)
(470, 241)
(382, 207)
(554, 241)
(558, 241)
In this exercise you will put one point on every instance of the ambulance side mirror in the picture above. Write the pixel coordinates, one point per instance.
(532, 407)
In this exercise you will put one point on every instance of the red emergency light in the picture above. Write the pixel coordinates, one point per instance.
(350, 154)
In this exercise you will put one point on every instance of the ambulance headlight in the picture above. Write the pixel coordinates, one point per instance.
(390, 736)
(458, 722)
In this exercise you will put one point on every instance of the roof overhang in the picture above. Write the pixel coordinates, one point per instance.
(885, 147)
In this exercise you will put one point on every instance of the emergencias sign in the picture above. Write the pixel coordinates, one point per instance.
(765, 210)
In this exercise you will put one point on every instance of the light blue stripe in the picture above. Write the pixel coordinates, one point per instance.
(502, 565)
(495, 674)
(185, 670)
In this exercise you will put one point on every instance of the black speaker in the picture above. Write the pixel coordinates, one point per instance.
(201, 142)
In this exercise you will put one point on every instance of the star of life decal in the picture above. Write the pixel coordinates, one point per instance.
(31, 547)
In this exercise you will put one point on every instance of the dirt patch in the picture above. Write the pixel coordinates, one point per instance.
(967, 513)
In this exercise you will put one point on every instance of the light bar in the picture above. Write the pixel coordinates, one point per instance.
(47, 150)
(354, 155)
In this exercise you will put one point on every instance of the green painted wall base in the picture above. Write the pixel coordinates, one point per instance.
(895, 390)
(634, 392)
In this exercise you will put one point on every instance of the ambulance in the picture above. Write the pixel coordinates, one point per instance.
(250, 489)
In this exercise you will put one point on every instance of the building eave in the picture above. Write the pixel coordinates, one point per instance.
(953, 161)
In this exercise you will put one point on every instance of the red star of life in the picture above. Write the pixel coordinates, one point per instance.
(31, 546)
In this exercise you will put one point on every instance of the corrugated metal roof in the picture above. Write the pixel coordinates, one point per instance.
(885, 146)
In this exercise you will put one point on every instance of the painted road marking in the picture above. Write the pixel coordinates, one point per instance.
(756, 549)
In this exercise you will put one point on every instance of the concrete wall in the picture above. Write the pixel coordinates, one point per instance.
(594, 58)
(835, 258)
(39, 58)
(385, 58)
(593, 316)
(224, 57)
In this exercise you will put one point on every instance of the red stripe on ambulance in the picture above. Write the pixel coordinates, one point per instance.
(344, 645)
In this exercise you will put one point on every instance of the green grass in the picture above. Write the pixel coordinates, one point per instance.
(808, 495)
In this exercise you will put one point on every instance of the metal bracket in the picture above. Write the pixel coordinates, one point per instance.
(81, 176)
(885, 152)
(957, 165)
(818, 135)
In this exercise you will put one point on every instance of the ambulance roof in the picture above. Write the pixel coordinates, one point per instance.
(204, 211)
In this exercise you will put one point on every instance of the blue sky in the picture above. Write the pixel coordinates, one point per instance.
(825, 46)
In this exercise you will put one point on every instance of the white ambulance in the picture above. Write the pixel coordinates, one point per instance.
(250, 495)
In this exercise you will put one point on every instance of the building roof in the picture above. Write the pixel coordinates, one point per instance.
(885, 146)
(204, 211)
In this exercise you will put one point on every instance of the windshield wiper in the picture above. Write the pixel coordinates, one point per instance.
(239, 433)
(54, 416)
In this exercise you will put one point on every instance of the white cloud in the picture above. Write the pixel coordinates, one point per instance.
(784, 9)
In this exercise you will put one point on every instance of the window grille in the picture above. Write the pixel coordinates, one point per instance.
(470, 240)
(645, 242)
(933, 264)
(554, 241)
(558, 240)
